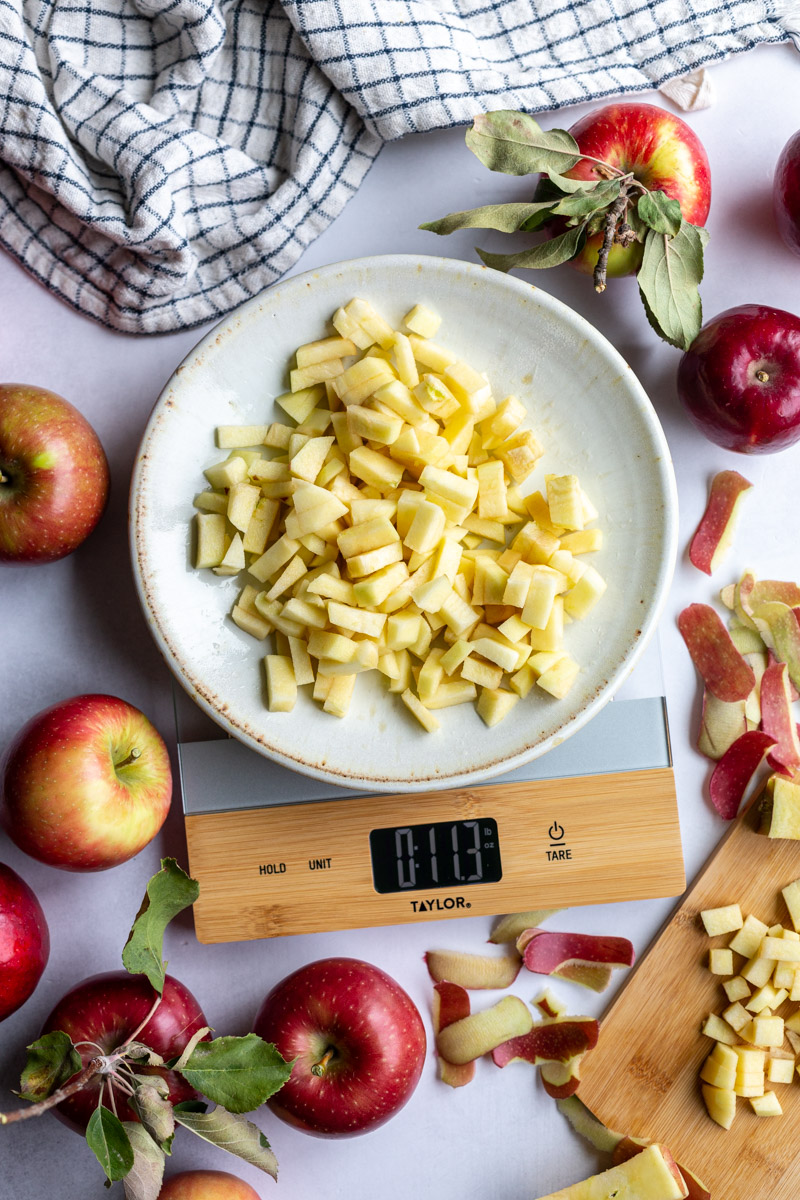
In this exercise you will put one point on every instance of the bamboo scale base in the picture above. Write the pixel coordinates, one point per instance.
(306, 868)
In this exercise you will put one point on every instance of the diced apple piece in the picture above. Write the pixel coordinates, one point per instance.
(375, 469)
(451, 1003)
(720, 962)
(757, 970)
(210, 539)
(231, 437)
(767, 1105)
(495, 704)
(733, 772)
(212, 502)
(426, 719)
(472, 971)
(520, 453)
(426, 528)
(749, 937)
(291, 573)
(720, 665)
(763, 1031)
(564, 501)
(714, 534)
(736, 988)
(481, 1032)
(339, 695)
(714, 1027)
(720, 1075)
(720, 1104)
(226, 474)
(580, 957)
(422, 321)
(559, 678)
(650, 1175)
(251, 622)
(736, 1015)
(781, 809)
(791, 896)
(281, 685)
(781, 949)
(233, 560)
(583, 596)
(780, 1070)
(726, 919)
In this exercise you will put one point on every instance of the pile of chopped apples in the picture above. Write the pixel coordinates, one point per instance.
(750, 1035)
(751, 673)
(384, 529)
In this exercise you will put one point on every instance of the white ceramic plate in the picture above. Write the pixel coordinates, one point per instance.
(587, 408)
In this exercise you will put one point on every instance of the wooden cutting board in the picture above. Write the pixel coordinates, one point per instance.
(643, 1076)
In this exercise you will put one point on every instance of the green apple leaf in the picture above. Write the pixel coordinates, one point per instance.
(660, 213)
(169, 892)
(239, 1073)
(515, 144)
(139, 1053)
(151, 1101)
(108, 1139)
(233, 1133)
(671, 270)
(546, 254)
(584, 204)
(143, 1181)
(52, 1060)
(508, 218)
(564, 184)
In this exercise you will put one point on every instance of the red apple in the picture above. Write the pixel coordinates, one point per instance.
(100, 1013)
(740, 379)
(87, 784)
(206, 1185)
(786, 193)
(358, 1041)
(53, 475)
(24, 941)
(662, 152)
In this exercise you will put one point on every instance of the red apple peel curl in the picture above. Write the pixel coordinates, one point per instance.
(582, 958)
(719, 664)
(450, 1004)
(715, 531)
(735, 769)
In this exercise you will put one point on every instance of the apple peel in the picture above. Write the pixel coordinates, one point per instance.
(450, 1004)
(561, 1080)
(714, 534)
(509, 928)
(557, 1040)
(777, 720)
(722, 723)
(779, 626)
(473, 971)
(733, 772)
(478, 1034)
(548, 1004)
(583, 958)
(719, 664)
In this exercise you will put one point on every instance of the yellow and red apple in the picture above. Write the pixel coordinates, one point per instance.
(86, 784)
(53, 476)
(661, 151)
(206, 1185)
(24, 941)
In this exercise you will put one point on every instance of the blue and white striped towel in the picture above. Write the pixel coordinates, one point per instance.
(161, 161)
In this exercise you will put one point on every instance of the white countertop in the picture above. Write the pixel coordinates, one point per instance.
(75, 626)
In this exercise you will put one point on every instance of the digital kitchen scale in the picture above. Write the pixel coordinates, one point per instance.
(275, 852)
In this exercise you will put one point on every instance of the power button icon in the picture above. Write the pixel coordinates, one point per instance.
(556, 832)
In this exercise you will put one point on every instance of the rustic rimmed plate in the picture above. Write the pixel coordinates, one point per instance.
(585, 405)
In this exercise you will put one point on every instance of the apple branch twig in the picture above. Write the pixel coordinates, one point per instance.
(612, 219)
(76, 1084)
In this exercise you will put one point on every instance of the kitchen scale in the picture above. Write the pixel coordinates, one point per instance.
(275, 852)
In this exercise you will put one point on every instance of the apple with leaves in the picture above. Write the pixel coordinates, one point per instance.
(124, 1056)
(24, 941)
(86, 784)
(659, 151)
(786, 193)
(739, 381)
(626, 189)
(53, 476)
(101, 1014)
(357, 1041)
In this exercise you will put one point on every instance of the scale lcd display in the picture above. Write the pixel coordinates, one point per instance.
(414, 858)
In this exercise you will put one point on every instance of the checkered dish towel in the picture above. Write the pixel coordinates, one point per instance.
(161, 161)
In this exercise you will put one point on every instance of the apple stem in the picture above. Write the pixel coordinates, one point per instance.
(3, 477)
(615, 213)
(76, 1084)
(132, 757)
(762, 376)
(137, 1031)
(321, 1067)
